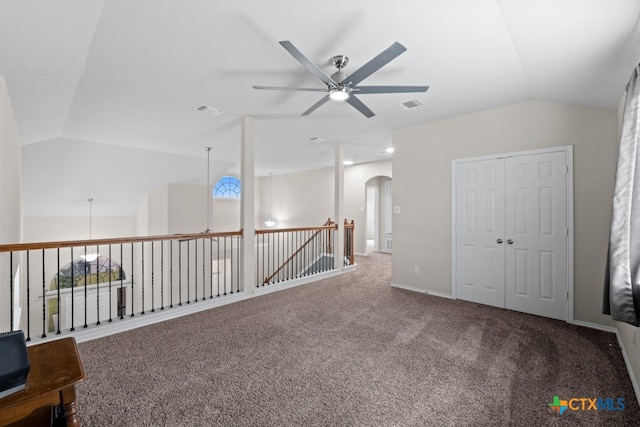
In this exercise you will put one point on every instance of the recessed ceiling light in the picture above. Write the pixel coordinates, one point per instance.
(388, 150)
(347, 162)
(209, 110)
(317, 139)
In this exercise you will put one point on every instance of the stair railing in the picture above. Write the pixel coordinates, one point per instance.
(53, 287)
(297, 247)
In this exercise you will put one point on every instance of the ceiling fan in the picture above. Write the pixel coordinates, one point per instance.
(343, 87)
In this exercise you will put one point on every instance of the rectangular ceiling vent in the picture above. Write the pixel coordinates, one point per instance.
(209, 110)
(412, 103)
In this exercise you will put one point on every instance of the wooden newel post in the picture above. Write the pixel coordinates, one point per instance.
(330, 237)
(349, 233)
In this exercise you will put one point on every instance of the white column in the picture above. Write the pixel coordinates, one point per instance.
(338, 246)
(10, 209)
(247, 205)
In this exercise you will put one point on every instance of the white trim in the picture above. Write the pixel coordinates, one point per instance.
(80, 289)
(627, 362)
(570, 240)
(422, 291)
(568, 150)
(454, 236)
(516, 153)
(603, 328)
(610, 329)
(105, 329)
(275, 287)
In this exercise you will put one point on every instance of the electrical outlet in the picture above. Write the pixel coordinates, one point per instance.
(417, 269)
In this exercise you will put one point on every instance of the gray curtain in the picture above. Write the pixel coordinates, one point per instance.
(622, 281)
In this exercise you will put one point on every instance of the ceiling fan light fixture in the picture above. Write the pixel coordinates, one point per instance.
(339, 94)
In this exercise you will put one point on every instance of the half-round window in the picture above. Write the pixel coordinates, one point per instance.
(227, 188)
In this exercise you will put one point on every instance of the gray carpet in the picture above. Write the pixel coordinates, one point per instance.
(353, 351)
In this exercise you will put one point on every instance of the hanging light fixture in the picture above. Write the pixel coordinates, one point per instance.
(90, 256)
(270, 222)
(209, 192)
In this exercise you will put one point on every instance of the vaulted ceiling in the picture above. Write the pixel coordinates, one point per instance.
(104, 91)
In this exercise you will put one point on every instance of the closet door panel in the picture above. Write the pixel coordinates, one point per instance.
(479, 226)
(536, 234)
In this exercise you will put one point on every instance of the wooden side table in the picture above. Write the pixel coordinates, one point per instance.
(55, 370)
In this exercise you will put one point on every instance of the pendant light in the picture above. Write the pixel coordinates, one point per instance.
(270, 222)
(209, 191)
(90, 256)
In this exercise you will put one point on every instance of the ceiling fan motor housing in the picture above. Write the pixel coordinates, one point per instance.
(338, 77)
(339, 61)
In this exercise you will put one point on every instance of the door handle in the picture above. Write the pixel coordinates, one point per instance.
(499, 241)
(510, 242)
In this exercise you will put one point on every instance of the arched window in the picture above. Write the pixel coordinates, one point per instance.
(227, 188)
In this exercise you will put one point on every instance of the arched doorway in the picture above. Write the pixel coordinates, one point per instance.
(378, 230)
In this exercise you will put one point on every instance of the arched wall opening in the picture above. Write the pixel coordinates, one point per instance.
(378, 220)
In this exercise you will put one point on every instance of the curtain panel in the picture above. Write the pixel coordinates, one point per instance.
(622, 281)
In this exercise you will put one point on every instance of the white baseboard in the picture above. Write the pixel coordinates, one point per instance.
(139, 320)
(611, 329)
(634, 383)
(421, 291)
(596, 326)
(614, 330)
(275, 287)
(105, 329)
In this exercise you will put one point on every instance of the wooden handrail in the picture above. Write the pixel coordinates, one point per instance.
(328, 225)
(112, 241)
(331, 226)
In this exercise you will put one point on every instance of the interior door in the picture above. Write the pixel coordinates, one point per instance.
(480, 247)
(536, 232)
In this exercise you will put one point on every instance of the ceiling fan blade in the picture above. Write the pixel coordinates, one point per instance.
(359, 105)
(305, 89)
(308, 64)
(316, 105)
(375, 64)
(389, 89)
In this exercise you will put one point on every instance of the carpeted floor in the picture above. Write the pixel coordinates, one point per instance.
(353, 351)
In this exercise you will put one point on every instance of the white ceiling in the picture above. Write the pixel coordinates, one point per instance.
(104, 91)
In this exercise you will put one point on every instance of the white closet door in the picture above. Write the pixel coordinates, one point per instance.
(536, 234)
(480, 247)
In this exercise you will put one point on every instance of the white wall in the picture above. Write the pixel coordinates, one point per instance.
(10, 171)
(306, 199)
(57, 229)
(355, 179)
(154, 212)
(298, 199)
(187, 210)
(10, 195)
(422, 188)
